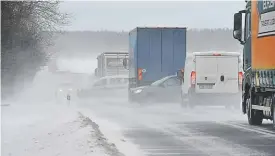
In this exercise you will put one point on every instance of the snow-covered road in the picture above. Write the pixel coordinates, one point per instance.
(168, 129)
(114, 127)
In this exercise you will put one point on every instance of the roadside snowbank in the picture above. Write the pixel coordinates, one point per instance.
(46, 129)
(113, 132)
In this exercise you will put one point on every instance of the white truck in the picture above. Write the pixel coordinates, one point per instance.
(111, 63)
(213, 78)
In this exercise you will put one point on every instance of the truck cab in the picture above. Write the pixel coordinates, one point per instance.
(258, 38)
(111, 63)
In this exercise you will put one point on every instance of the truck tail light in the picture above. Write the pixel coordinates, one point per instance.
(193, 79)
(217, 54)
(139, 74)
(240, 78)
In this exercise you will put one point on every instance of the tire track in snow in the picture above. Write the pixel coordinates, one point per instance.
(207, 144)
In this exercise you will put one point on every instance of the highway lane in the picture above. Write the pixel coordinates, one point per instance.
(169, 130)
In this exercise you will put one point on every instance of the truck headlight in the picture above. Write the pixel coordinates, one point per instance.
(137, 91)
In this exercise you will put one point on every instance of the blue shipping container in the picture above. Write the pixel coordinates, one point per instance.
(159, 52)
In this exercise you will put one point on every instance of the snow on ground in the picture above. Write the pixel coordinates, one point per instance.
(46, 129)
(114, 133)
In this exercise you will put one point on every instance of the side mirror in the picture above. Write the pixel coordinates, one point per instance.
(125, 63)
(237, 30)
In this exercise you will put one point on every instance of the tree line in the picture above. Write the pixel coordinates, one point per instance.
(77, 43)
(26, 28)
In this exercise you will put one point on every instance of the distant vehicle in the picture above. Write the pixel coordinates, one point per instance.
(111, 63)
(258, 42)
(63, 90)
(108, 86)
(167, 89)
(154, 53)
(215, 79)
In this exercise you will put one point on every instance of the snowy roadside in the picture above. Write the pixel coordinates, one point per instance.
(52, 130)
(114, 134)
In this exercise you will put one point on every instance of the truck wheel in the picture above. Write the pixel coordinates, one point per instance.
(255, 117)
(244, 106)
(273, 115)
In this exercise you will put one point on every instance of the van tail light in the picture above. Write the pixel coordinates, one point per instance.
(240, 79)
(193, 79)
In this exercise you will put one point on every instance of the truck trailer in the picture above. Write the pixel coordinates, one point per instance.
(155, 52)
(258, 97)
(111, 63)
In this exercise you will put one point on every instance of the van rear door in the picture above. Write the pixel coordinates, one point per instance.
(206, 73)
(228, 68)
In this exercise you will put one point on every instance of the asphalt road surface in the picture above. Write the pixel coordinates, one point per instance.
(169, 130)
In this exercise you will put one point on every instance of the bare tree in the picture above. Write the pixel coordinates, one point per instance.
(26, 28)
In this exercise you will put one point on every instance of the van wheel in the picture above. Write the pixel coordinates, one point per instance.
(183, 101)
(191, 102)
(255, 117)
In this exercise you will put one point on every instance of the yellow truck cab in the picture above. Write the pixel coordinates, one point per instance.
(258, 42)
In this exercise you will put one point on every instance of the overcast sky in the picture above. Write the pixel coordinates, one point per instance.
(118, 16)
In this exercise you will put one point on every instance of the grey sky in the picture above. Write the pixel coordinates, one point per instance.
(123, 15)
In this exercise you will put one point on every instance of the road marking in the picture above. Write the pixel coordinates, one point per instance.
(251, 129)
(174, 154)
(258, 145)
(213, 147)
(254, 127)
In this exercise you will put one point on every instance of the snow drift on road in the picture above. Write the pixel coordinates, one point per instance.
(46, 129)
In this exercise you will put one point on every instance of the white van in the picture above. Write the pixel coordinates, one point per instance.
(213, 78)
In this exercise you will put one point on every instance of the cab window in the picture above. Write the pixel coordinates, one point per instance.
(247, 30)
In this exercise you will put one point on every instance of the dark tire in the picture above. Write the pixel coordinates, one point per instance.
(255, 117)
(244, 109)
(273, 115)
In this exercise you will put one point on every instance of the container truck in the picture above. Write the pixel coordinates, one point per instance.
(111, 63)
(154, 53)
(258, 98)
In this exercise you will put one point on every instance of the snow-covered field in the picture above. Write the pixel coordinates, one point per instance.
(31, 127)
(47, 129)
